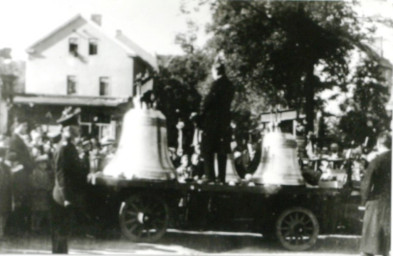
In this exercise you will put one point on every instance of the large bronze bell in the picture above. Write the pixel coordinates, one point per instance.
(143, 151)
(279, 165)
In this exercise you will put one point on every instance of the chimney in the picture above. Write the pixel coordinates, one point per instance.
(96, 18)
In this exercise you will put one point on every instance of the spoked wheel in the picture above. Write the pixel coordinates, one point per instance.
(144, 218)
(297, 229)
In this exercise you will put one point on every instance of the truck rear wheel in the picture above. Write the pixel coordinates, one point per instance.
(144, 218)
(297, 229)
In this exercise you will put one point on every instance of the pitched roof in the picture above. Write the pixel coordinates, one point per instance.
(372, 53)
(77, 21)
(139, 50)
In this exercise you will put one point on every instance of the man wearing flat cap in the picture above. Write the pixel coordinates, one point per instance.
(67, 167)
(215, 117)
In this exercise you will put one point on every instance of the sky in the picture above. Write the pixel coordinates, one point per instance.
(153, 24)
(384, 34)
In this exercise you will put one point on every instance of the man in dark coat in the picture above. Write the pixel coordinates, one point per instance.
(21, 179)
(5, 191)
(215, 117)
(67, 167)
(375, 192)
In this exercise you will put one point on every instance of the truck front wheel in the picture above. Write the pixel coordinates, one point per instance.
(144, 218)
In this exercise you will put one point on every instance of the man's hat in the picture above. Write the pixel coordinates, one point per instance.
(107, 141)
(3, 150)
(220, 59)
(69, 116)
(42, 158)
(22, 119)
(11, 156)
(219, 62)
(86, 142)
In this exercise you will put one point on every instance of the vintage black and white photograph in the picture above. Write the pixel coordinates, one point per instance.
(193, 127)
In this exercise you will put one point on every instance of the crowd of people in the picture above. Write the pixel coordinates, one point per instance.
(189, 161)
(318, 162)
(27, 175)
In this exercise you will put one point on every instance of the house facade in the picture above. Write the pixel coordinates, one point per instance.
(81, 65)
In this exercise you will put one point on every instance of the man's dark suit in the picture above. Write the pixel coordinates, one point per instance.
(375, 192)
(67, 168)
(215, 121)
(21, 182)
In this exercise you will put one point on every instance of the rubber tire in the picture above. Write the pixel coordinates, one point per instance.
(315, 229)
(148, 200)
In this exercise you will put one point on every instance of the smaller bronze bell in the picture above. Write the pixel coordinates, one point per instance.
(279, 165)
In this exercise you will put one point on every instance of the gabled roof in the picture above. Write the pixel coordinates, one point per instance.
(147, 57)
(77, 21)
(373, 54)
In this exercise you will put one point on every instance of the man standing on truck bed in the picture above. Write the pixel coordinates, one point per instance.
(215, 117)
(375, 192)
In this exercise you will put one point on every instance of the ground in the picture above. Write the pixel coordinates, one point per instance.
(185, 243)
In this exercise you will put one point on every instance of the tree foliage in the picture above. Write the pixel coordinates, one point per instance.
(176, 88)
(273, 47)
(366, 115)
(282, 54)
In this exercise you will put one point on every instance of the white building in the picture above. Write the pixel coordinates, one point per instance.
(80, 64)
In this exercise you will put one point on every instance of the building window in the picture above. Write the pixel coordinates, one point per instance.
(93, 46)
(104, 86)
(71, 85)
(73, 46)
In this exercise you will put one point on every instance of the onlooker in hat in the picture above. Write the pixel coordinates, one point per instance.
(197, 134)
(311, 145)
(5, 191)
(4, 140)
(183, 170)
(196, 167)
(85, 155)
(67, 166)
(95, 146)
(106, 153)
(95, 157)
(108, 146)
(54, 137)
(21, 179)
(42, 183)
(36, 135)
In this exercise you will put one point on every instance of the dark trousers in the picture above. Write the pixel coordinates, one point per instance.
(60, 222)
(21, 218)
(208, 157)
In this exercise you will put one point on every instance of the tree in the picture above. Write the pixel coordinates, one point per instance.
(5, 53)
(366, 115)
(273, 47)
(176, 88)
